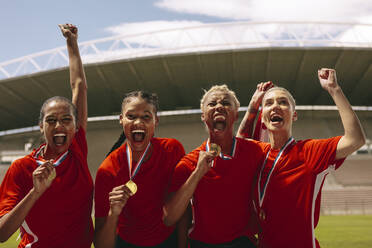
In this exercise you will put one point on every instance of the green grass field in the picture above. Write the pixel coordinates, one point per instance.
(352, 231)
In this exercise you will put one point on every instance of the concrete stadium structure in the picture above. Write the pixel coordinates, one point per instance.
(177, 64)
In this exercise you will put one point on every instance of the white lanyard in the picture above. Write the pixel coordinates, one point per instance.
(261, 193)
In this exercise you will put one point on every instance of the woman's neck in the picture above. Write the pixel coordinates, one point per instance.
(278, 139)
(136, 156)
(47, 153)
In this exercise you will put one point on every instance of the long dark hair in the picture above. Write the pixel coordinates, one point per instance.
(150, 98)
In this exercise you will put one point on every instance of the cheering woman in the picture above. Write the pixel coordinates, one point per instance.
(49, 193)
(287, 190)
(132, 183)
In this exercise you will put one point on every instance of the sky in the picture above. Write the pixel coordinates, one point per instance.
(30, 26)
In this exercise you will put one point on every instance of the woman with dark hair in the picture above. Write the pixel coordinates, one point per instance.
(132, 183)
(49, 193)
(287, 190)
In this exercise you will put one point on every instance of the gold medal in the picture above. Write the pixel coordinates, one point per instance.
(52, 175)
(131, 186)
(216, 149)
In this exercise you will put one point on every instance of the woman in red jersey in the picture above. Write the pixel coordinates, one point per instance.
(289, 182)
(218, 177)
(49, 193)
(132, 183)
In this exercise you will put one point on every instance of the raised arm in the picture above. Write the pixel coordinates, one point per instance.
(175, 207)
(354, 136)
(246, 126)
(77, 76)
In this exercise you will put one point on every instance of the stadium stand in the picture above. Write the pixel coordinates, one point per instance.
(347, 201)
(178, 74)
(356, 171)
(3, 169)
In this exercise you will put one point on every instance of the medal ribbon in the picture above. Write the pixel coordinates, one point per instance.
(221, 155)
(139, 163)
(56, 162)
(261, 193)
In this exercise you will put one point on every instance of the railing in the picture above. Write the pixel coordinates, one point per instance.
(203, 38)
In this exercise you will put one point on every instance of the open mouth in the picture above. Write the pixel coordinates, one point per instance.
(219, 125)
(276, 119)
(59, 139)
(138, 135)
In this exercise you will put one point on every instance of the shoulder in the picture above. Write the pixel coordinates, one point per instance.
(111, 164)
(79, 143)
(191, 158)
(22, 166)
(252, 144)
(80, 133)
(308, 143)
(168, 144)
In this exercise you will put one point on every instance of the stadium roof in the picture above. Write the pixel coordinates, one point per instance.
(178, 63)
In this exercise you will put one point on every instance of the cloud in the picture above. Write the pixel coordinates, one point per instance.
(178, 36)
(150, 26)
(278, 10)
(162, 37)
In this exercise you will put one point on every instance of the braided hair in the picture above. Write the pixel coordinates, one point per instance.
(150, 98)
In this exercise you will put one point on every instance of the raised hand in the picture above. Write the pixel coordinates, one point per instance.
(259, 94)
(327, 78)
(118, 197)
(205, 161)
(43, 177)
(69, 31)
(354, 136)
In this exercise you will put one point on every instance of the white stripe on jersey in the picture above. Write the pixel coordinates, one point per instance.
(28, 230)
(317, 187)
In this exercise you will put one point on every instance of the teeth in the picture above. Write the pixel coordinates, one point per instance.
(138, 131)
(59, 139)
(219, 118)
(60, 135)
(138, 135)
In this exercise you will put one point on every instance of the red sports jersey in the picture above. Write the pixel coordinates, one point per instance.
(61, 217)
(289, 205)
(222, 200)
(140, 222)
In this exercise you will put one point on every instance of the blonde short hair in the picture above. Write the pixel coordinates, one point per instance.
(290, 97)
(223, 88)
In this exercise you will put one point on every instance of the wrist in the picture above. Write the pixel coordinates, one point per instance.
(34, 194)
(334, 90)
(252, 109)
(71, 41)
(198, 173)
(112, 215)
(253, 106)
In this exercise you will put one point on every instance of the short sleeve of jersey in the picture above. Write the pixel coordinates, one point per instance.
(183, 170)
(11, 188)
(320, 153)
(80, 142)
(103, 186)
(262, 147)
(176, 150)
